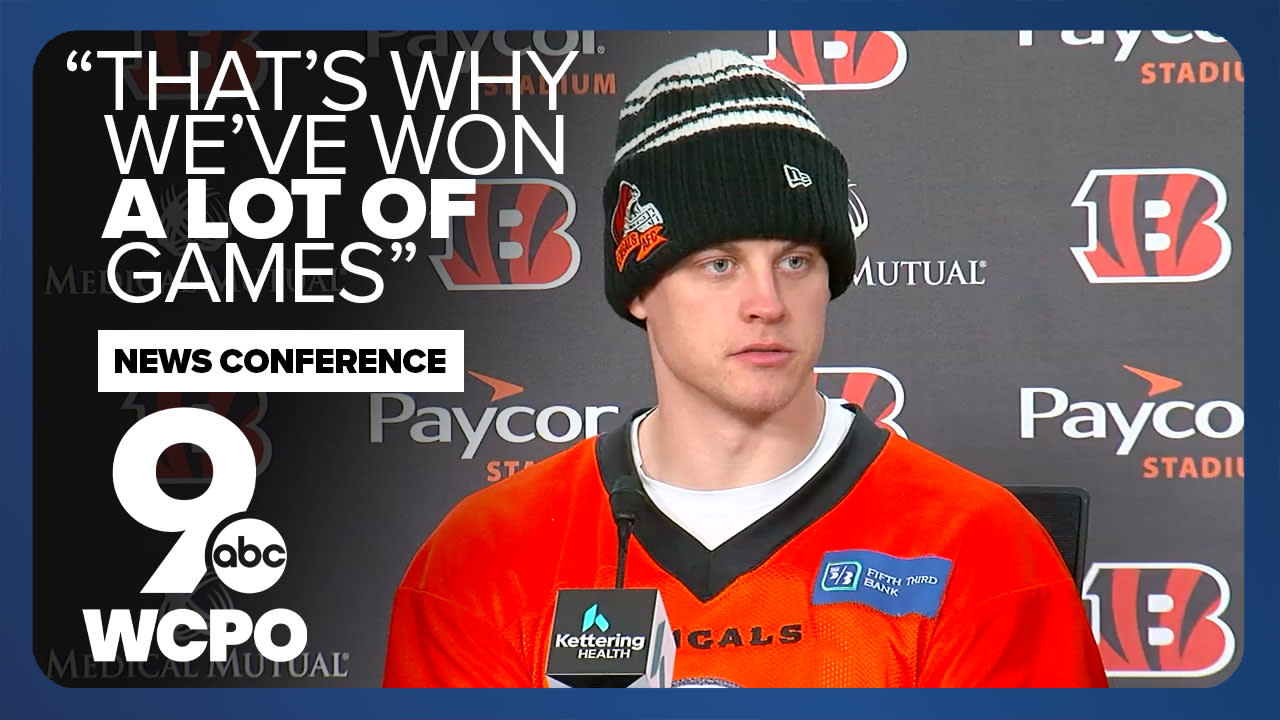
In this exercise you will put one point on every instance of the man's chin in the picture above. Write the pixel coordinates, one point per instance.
(760, 400)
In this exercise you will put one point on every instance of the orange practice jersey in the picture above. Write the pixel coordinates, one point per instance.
(890, 567)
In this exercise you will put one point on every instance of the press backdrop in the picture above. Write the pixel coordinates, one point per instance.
(1049, 293)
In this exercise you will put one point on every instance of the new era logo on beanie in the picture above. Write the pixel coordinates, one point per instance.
(713, 148)
(796, 177)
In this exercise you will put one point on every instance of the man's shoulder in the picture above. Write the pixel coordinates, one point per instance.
(509, 522)
(938, 505)
(531, 492)
(912, 471)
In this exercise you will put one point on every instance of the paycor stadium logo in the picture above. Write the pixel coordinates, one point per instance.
(1170, 418)
(1162, 57)
(547, 43)
(468, 430)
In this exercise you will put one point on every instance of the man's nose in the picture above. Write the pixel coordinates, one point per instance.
(761, 296)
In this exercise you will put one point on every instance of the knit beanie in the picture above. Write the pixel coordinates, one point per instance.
(713, 148)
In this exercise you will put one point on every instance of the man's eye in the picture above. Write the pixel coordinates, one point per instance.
(719, 265)
(795, 262)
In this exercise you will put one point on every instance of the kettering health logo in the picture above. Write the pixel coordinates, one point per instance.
(593, 616)
(591, 644)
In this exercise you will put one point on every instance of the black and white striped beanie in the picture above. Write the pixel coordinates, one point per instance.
(713, 148)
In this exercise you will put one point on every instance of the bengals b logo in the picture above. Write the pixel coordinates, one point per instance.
(876, 391)
(839, 60)
(1151, 226)
(173, 58)
(186, 464)
(1159, 619)
(517, 239)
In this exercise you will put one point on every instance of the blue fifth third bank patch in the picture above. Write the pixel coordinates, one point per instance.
(893, 585)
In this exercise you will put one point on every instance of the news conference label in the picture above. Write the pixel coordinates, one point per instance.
(280, 360)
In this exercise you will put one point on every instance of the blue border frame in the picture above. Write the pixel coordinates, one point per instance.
(1252, 26)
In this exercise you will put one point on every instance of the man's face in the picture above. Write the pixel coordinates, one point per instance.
(740, 323)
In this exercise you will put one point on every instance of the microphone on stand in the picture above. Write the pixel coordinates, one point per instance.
(626, 501)
(617, 637)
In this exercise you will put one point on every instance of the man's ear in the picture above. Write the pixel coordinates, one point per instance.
(637, 309)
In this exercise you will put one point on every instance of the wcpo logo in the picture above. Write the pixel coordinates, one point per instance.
(878, 392)
(1159, 619)
(248, 555)
(1152, 226)
(1051, 410)
(513, 423)
(517, 239)
(839, 60)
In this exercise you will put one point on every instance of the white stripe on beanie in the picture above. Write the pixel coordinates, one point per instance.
(656, 85)
(781, 104)
(733, 119)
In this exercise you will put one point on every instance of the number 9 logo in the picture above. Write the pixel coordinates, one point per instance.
(138, 489)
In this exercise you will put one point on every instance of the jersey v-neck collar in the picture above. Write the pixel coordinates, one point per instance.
(705, 573)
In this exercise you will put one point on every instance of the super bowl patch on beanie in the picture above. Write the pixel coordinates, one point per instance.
(713, 148)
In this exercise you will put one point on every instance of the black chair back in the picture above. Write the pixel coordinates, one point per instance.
(1064, 512)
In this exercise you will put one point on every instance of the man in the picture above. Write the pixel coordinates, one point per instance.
(793, 541)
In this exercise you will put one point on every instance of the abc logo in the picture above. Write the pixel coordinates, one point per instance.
(248, 555)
